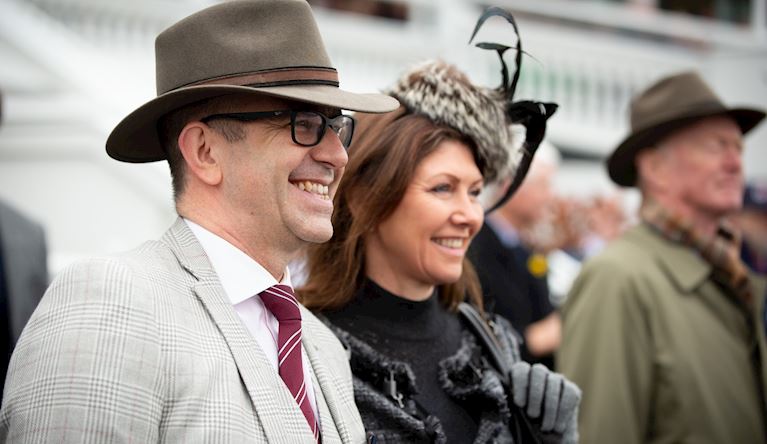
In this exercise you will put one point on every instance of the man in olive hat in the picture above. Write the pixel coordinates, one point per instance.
(198, 337)
(660, 330)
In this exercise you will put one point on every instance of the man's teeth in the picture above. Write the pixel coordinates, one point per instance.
(450, 243)
(314, 188)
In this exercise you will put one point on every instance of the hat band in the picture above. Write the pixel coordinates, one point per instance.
(679, 112)
(278, 77)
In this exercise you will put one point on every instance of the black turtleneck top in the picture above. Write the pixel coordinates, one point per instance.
(422, 334)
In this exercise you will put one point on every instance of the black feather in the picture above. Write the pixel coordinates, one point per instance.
(532, 115)
(506, 87)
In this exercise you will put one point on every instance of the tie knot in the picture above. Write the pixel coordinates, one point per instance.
(280, 300)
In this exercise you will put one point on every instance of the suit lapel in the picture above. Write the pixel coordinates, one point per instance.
(327, 423)
(326, 387)
(278, 413)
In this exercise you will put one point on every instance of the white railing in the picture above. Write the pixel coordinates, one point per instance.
(592, 74)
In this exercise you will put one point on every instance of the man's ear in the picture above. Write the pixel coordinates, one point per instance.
(652, 167)
(196, 142)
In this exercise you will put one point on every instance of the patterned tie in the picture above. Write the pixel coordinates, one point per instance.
(281, 301)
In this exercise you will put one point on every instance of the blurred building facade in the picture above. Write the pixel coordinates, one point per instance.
(71, 69)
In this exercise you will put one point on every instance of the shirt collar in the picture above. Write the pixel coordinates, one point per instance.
(241, 276)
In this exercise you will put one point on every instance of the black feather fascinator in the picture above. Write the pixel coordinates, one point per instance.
(445, 95)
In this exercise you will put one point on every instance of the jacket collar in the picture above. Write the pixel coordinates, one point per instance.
(682, 264)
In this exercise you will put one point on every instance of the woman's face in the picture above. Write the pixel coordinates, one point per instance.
(423, 242)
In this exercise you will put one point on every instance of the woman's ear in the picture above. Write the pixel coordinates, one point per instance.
(197, 142)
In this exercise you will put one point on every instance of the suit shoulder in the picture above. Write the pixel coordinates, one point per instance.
(13, 217)
(148, 257)
(131, 274)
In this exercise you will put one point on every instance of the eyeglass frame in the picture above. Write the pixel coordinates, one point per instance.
(259, 115)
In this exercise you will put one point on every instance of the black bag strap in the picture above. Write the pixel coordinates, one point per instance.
(521, 428)
(489, 341)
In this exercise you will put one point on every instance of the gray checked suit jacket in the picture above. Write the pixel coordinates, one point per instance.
(145, 347)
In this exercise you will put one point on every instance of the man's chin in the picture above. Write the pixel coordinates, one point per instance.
(317, 236)
(725, 209)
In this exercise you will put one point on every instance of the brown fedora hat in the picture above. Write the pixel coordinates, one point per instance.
(671, 103)
(270, 47)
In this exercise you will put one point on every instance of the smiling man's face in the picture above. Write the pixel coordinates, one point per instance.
(281, 189)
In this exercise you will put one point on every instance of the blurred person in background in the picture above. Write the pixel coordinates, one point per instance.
(197, 337)
(575, 229)
(605, 222)
(752, 221)
(512, 274)
(659, 329)
(23, 275)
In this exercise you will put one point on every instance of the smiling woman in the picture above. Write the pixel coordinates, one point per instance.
(390, 281)
(424, 240)
(390, 152)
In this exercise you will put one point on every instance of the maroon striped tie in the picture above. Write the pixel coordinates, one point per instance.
(281, 301)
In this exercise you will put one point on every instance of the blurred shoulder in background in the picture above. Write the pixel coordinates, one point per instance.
(752, 221)
(23, 276)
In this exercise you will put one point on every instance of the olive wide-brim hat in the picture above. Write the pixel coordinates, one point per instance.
(670, 104)
(270, 47)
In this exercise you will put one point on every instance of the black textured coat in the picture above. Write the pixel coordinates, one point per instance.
(389, 409)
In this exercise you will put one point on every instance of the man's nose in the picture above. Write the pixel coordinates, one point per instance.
(330, 151)
(733, 159)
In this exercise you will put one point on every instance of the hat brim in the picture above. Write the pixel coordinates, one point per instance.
(136, 138)
(620, 164)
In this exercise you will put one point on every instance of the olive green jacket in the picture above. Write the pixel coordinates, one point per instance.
(661, 354)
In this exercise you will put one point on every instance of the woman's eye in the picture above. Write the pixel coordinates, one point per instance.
(475, 192)
(442, 188)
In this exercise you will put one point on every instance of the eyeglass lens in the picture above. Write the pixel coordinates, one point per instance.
(309, 128)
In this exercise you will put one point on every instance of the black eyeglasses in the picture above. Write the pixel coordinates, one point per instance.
(307, 128)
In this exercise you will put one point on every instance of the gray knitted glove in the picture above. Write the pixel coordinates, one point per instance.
(545, 393)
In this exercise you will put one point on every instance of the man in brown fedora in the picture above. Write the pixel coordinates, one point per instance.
(660, 330)
(198, 337)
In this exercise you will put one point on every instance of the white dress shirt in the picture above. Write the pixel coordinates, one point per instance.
(243, 279)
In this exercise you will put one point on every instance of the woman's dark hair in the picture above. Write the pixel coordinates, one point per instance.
(383, 159)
